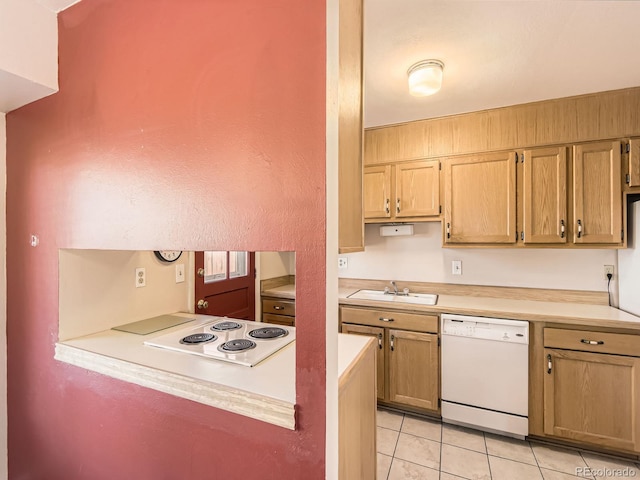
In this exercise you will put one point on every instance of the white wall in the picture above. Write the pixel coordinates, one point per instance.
(276, 264)
(421, 258)
(28, 53)
(629, 265)
(97, 290)
(3, 299)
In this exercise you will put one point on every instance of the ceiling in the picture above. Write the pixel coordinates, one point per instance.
(496, 53)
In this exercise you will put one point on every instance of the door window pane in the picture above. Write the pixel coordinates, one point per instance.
(215, 266)
(222, 265)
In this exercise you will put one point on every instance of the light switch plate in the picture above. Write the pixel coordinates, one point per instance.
(456, 267)
(179, 272)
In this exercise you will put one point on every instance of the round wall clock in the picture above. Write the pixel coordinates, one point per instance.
(168, 255)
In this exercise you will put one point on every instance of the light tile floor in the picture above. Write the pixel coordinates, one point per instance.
(421, 449)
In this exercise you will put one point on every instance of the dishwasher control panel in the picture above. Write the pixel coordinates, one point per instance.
(498, 329)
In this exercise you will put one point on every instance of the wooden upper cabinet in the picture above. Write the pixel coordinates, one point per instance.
(350, 128)
(377, 191)
(607, 415)
(544, 193)
(418, 189)
(402, 191)
(597, 193)
(634, 163)
(480, 199)
(409, 385)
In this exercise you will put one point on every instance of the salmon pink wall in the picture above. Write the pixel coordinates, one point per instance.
(180, 124)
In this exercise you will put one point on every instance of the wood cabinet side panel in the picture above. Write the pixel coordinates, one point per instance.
(350, 127)
(357, 420)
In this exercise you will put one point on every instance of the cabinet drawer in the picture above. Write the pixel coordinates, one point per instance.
(280, 307)
(389, 318)
(285, 320)
(588, 341)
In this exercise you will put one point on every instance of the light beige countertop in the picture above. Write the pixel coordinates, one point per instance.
(553, 312)
(285, 291)
(265, 392)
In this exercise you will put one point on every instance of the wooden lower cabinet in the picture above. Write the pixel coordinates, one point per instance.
(591, 398)
(409, 382)
(279, 311)
(408, 360)
(378, 334)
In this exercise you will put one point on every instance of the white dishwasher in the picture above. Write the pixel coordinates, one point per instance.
(485, 373)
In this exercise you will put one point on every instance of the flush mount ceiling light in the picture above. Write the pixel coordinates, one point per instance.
(425, 77)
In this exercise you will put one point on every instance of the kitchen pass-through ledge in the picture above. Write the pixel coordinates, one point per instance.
(265, 392)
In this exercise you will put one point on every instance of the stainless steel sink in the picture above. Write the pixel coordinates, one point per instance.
(381, 296)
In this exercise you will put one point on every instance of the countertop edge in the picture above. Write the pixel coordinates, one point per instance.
(266, 409)
(510, 313)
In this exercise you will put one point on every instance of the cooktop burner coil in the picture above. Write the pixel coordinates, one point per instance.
(197, 338)
(268, 333)
(237, 345)
(224, 326)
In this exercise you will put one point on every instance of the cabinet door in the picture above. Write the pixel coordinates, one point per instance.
(418, 189)
(480, 199)
(634, 162)
(592, 397)
(413, 369)
(377, 191)
(597, 193)
(545, 195)
(378, 333)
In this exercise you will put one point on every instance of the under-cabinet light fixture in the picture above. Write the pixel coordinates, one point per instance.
(425, 77)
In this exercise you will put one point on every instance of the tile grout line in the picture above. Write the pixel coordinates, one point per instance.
(440, 458)
(486, 452)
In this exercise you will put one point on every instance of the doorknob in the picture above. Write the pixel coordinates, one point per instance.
(201, 272)
(202, 304)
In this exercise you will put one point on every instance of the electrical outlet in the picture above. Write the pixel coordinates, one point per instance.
(608, 269)
(141, 278)
(456, 267)
(179, 272)
(343, 263)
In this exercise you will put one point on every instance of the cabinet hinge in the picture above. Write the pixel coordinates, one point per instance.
(628, 178)
(438, 341)
(522, 235)
(440, 209)
(516, 235)
(522, 158)
(439, 165)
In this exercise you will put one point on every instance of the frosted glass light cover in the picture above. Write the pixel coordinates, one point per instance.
(425, 78)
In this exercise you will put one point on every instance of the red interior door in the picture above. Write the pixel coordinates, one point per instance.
(225, 284)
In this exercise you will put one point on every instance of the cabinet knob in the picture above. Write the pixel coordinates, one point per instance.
(561, 228)
(448, 230)
(201, 272)
(579, 228)
(380, 341)
(392, 339)
(549, 364)
(386, 206)
(278, 307)
(202, 304)
(397, 205)
(592, 342)
(385, 319)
